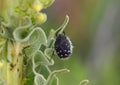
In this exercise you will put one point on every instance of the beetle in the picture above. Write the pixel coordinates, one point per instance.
(63, 46)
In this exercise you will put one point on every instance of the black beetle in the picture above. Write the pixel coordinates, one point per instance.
(63, 46)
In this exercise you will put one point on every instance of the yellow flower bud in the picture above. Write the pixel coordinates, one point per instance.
(1, 64)
(37, 7)
(41, 18)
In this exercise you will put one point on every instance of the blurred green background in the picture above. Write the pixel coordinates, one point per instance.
(94, 29)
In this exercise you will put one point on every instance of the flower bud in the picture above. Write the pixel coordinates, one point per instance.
(37, 7)
(41, 18)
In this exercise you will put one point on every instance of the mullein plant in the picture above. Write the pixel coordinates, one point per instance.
(25, 50)
(22, 62)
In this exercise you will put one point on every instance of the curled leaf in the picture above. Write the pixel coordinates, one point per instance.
(52, 75)
(39, 79)
(26, 35)
(63, 26)
(32, 49)
(51, 39)
(84, 82)
(40, 58)
(6, 31)
(49, 53)
(55, 81)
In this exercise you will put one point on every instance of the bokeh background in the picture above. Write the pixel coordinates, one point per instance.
(94, 29)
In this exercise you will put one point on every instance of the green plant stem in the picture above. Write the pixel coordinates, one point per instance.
(12, 72)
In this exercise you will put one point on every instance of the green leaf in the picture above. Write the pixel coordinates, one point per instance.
(84, 82)
(52, 76)
(39, 80)
(43, 70)
(6, 31)
(51, 38)
(26, 21)
(30, 36)
(49, 53)
(28, 73)
(63, 26)
(55, 81)
(32, 49)
(40, 58)
(13, 21)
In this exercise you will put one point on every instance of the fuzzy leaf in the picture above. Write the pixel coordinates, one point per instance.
(13, 21)
(55, 81)
(63, 26)
(43, 70)
(39, 79)
(30, 36)
(6, 32)
(28, 74)
(51, 39)
(40, 58)
(49, 53)
(52, 76)
(32, 49)
(84, 82)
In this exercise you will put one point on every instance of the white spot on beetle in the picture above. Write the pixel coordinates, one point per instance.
(66, 55)
(61, 55)
(65, 50)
